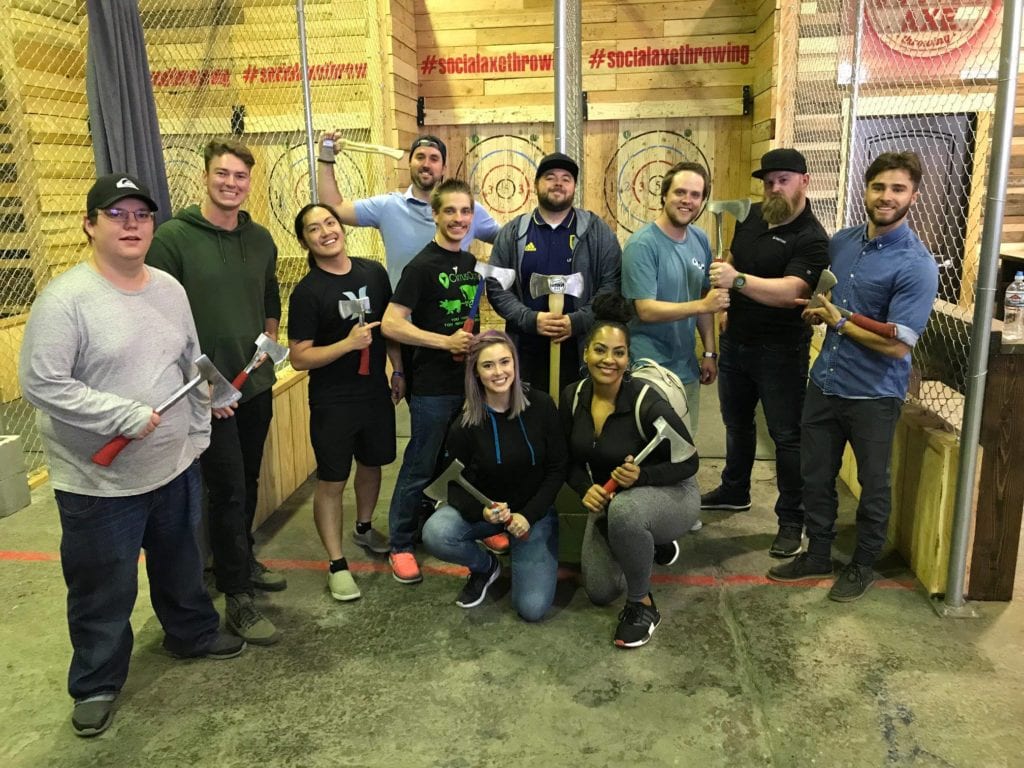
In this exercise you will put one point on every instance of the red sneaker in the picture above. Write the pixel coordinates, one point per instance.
(497, 544)
(405, 568)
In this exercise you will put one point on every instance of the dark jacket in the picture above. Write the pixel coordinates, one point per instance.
(230, 277)
(597, 256)
(519, 461)
(592, 458)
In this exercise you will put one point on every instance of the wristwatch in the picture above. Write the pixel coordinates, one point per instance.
(739, 281)
(711, 355)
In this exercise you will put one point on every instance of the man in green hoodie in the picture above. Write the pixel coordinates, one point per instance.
(227, 264)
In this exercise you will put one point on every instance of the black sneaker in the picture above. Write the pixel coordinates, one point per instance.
(637, 623)
(223, 646)
(266, 578)
(476, 585)
(788, 542)
(722, 499)
(93, 716)
(853, 581)
(666, 554)
(802, 567)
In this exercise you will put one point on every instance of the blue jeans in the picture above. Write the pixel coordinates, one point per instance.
(448, 536)
(775, 374)
(829, 423)
(99, 551)
(429, 417)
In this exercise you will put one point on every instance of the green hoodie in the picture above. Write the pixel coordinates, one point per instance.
(231, 281)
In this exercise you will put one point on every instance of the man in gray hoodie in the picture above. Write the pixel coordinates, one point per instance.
(554, 239)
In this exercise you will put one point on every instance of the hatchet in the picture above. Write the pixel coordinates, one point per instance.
(264, 346)
(222, 395)
(358, 308)
(504, 277)
(555, 287)
(826, 282)
(438, 489)
(679, 448)
(370, 149)
(739, 209)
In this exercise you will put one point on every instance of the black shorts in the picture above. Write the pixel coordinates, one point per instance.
(339, 432)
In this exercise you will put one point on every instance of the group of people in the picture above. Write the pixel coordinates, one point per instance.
(112, 336)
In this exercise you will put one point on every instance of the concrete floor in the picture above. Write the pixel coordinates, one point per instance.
(742, 672)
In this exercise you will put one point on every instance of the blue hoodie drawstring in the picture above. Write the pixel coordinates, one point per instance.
(497, 444)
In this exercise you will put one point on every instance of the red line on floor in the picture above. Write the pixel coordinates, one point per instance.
(684, 579)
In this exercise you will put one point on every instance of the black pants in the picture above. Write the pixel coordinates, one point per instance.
(829, 423)
(231, 471)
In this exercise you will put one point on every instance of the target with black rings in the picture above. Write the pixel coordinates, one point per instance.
(501, 170)
(633, 176)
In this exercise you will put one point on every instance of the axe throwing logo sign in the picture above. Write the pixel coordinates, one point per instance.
(928, 29)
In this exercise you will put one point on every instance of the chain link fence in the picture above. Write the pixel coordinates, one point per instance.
(218, 68)
(874, 76)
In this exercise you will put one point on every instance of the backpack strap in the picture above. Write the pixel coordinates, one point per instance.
(576, 395)
(636, 410)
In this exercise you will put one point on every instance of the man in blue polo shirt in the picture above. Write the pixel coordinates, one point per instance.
(859, 380)
(554, 239)
(404, 219)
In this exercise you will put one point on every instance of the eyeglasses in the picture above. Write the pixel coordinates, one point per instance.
(142, 216)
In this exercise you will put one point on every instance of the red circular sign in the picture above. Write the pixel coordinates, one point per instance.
(929, 28)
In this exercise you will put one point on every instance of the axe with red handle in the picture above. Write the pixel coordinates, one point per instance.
(264, 346)
(358, 308)
(222, 395)
(503, 275)
(679, 448)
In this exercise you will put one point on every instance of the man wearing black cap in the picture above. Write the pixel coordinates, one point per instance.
(105, 342)
(776, 257)
(554, 239)
(404, 219)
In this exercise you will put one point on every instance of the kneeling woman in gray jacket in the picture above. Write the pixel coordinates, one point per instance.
(655, 503)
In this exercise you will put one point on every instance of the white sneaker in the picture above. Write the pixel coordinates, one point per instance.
(696, 526)
(342, 586)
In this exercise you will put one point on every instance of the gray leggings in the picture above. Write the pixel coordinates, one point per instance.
(619, 543)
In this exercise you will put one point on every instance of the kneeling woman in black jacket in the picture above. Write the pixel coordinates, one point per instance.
(514, 453)
(656, 502)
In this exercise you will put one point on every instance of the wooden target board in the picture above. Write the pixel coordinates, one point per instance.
(501, 170)
(184, 165)
(633, 176)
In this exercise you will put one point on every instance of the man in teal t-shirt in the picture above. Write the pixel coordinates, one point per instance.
(665, 269)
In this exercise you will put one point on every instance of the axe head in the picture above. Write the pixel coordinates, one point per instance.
(269, 347)
(222, 394)
(680, 449)
(738, 209)
(826, 282)
(354, 307)
(503, 275)
(542, 285)
(438, 490)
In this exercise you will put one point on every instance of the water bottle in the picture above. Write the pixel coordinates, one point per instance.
(1013, 310)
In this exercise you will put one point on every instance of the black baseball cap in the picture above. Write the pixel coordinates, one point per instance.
(430, 141)
(117, 186)
(781, 160)
(558, 160)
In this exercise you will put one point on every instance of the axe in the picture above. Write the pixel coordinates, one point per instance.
(223, 395)
(358, 308)
(505, 278)
(679, 448)
(555, 287)
(739, 210)
(370, 149)
(264, 346)
(438, 490)
(826, 282)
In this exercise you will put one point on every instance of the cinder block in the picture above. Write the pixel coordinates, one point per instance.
(12, 461)
(14, 494)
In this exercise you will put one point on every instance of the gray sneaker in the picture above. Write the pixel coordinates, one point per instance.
(373, 540)
(265, 578)
(93, 716)
(242, 617)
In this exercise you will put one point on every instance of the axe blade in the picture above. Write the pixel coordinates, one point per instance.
(276, 352)
(544, 285)
(826, 282)
(503, 275)
(738, 209)
(349, 308)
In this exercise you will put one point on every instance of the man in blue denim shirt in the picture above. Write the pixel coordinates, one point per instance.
(859, 380)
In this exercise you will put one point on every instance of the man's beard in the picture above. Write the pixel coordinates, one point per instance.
(776, 209)
(548, 204)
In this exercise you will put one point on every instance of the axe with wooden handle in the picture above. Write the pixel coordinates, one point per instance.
(555, 287)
